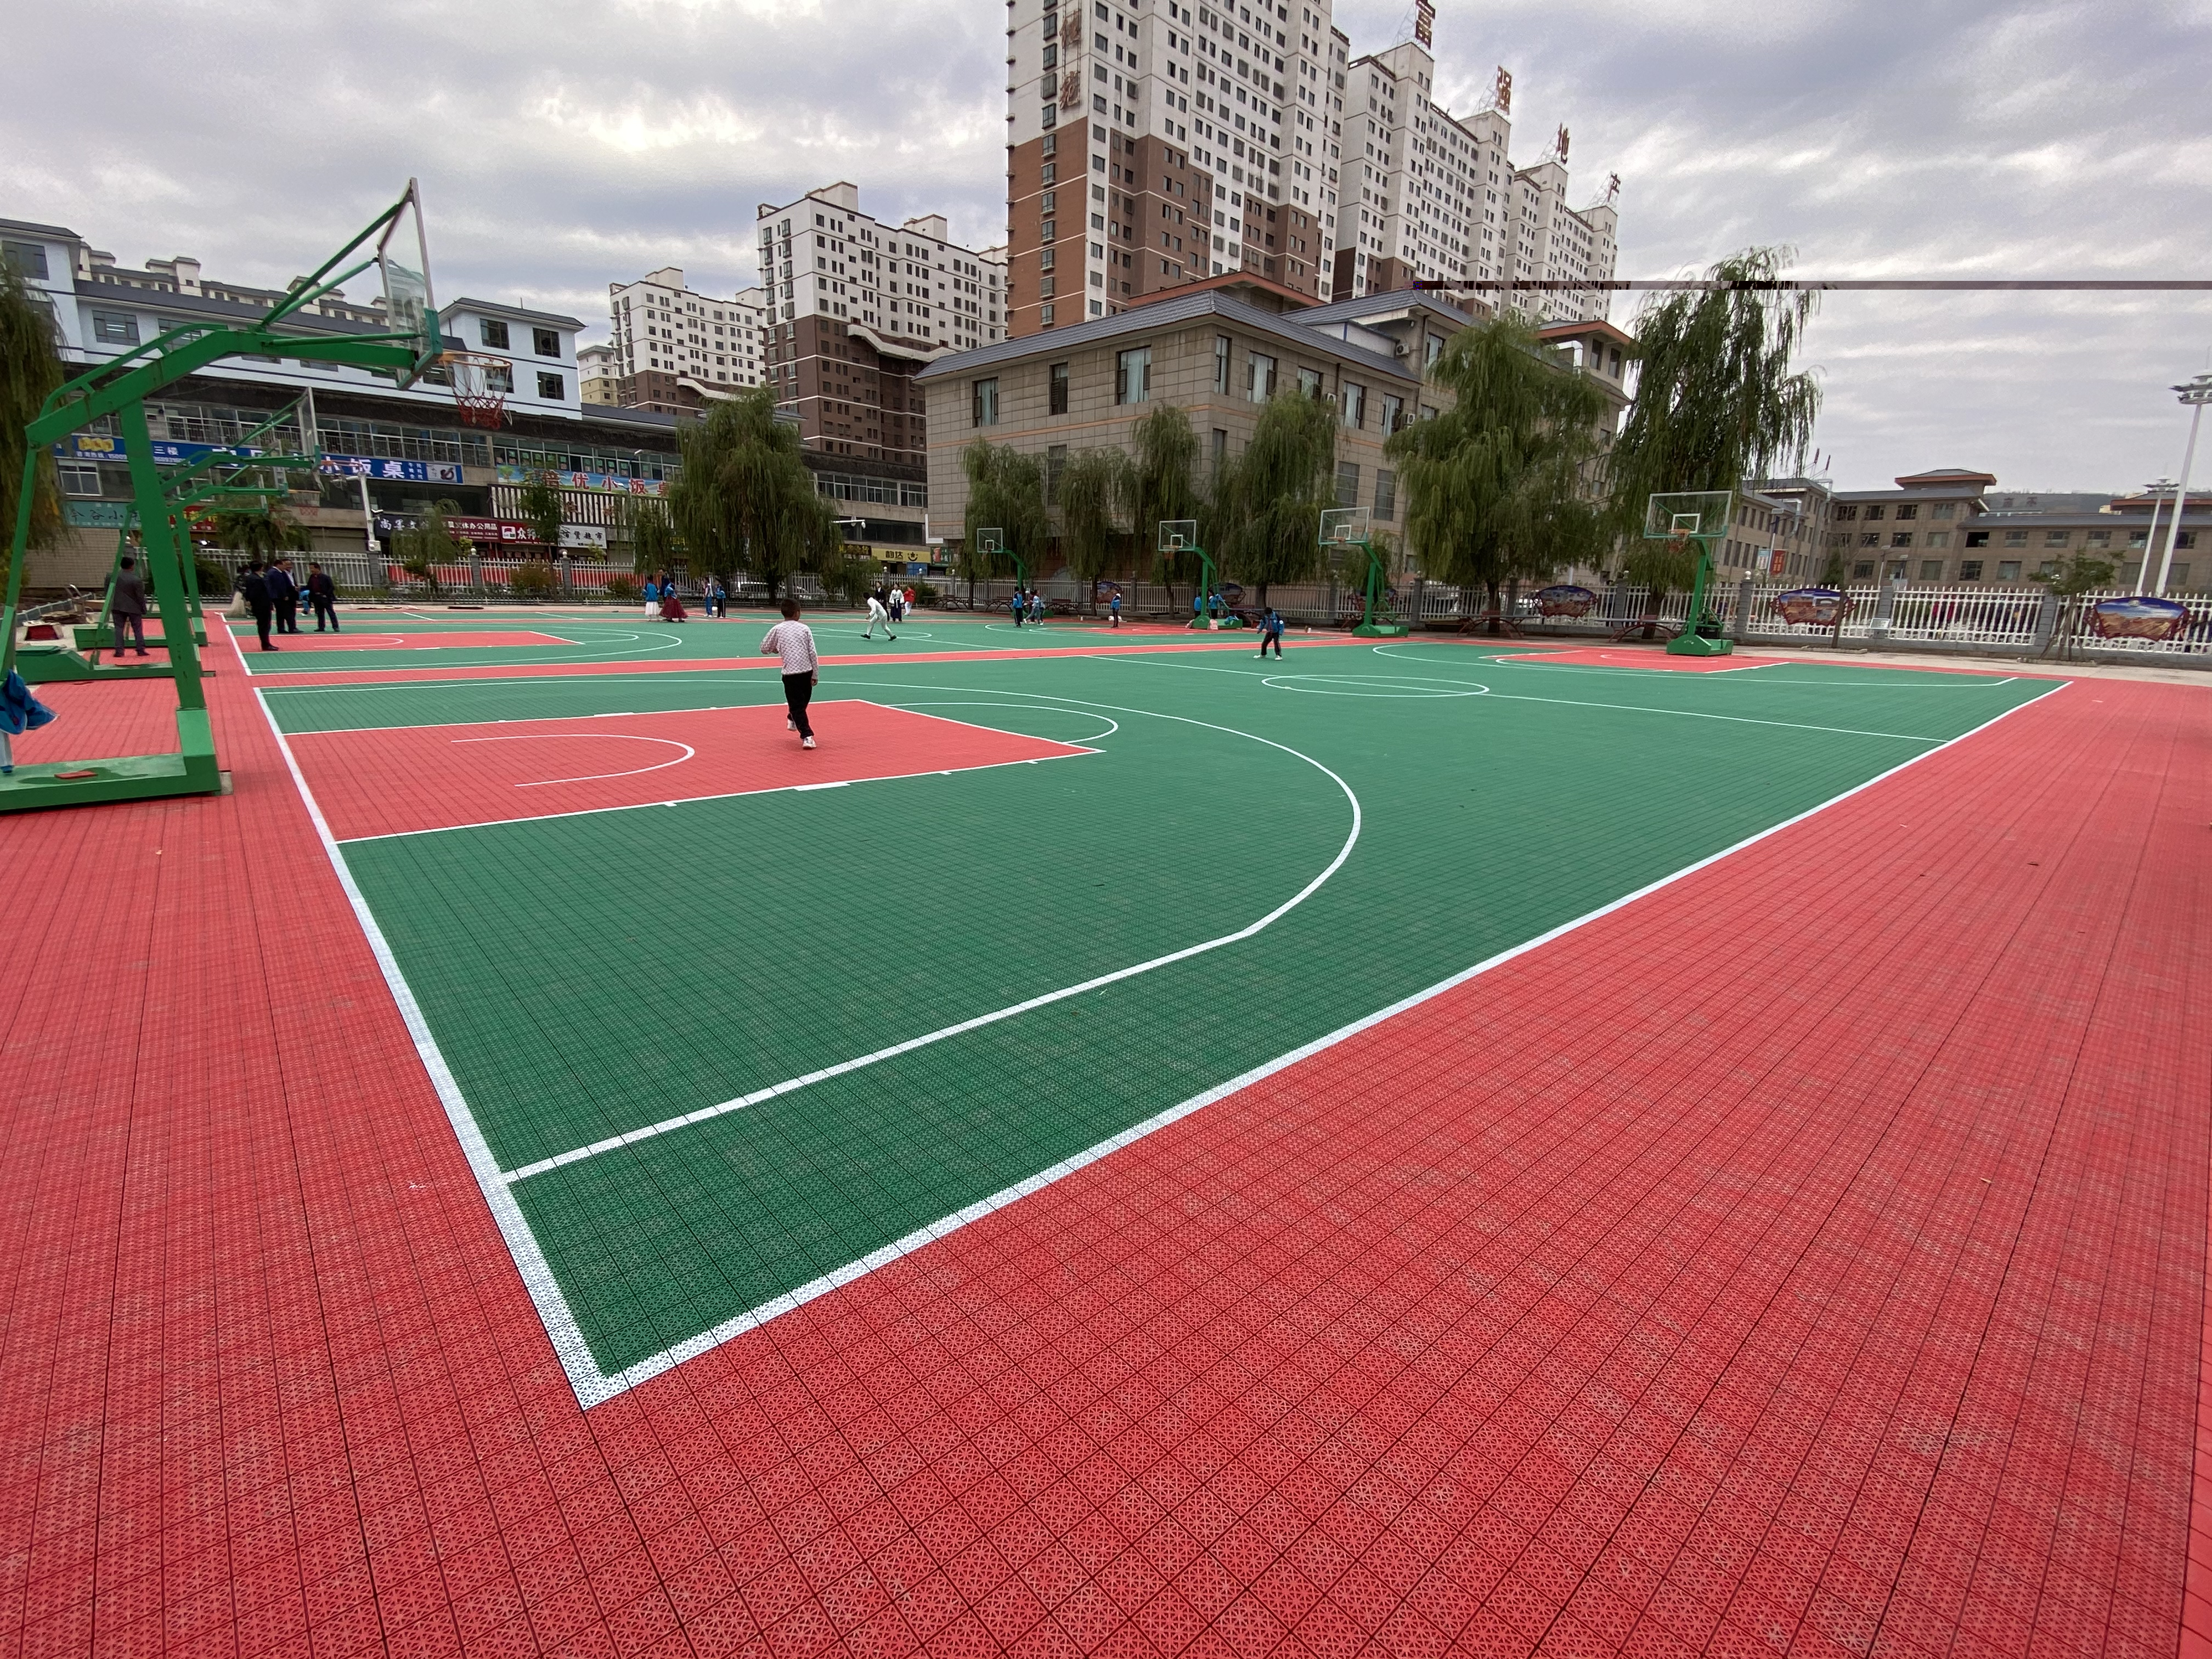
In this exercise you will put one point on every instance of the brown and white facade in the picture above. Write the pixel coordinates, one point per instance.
(677, 349)
(1220, 350)
(1152, 144)
(1424, 195)
(854, 307)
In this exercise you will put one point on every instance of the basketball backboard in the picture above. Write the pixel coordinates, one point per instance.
(1341, 525)
(1176, 534)
(990, 541)
(403, 261)
(1702, 513)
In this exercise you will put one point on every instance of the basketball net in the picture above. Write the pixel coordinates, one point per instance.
(469, 374)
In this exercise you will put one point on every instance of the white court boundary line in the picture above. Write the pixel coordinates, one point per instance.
(593, 1386)
(646, 653)
(1076, 751)
(1267, 680)
(1934, 679)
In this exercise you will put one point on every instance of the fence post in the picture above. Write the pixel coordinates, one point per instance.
(475, 574)
(1742, 610)
(2046, 623)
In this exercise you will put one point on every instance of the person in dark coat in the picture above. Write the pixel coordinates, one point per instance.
(323, 595)
(254, 588)
(127, 605)
(284, 595)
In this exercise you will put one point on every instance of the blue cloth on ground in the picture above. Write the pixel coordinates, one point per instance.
(20, 712)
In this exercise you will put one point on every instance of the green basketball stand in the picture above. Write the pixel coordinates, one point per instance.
(117, 392)
(992, 544)
(1342, 529)
(1180, 536)
(1699, 517)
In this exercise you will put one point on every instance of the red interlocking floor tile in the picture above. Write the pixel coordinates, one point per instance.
(1821, 1272)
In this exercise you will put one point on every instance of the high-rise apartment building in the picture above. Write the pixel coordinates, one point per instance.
(1423, 194)
(662, 334)
(1152, 144)
(854, 305)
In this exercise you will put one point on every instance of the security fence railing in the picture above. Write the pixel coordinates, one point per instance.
(2008, 620)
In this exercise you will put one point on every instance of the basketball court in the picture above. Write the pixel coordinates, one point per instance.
(1419, 1145)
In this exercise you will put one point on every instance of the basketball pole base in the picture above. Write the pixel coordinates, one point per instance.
(1697, 645)
(1375, 630)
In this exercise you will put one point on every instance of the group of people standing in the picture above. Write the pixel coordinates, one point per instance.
(889, 606)
(664, 603)
(1029, 607)
(272, 593)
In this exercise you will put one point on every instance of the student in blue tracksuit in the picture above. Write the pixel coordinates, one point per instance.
(1113, 610)
(1271, 632)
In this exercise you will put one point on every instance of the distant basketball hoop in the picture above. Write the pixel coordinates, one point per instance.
(480, 386)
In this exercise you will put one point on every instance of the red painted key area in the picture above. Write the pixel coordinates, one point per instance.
(404, 779)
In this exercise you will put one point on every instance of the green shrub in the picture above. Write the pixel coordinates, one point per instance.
(213, 579)
(623, 590)
(534, 580)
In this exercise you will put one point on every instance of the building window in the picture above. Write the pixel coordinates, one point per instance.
(983, 402)
(1869, 538)
(1932, 570)
(2097, 538)
(2176, 578)
(1900, 538)
(500, 380)
(114, 328)
(2048, 568)
(1873, 510)
(1846, 512)
(77, 479)
(1310, 383)
(1058, 380)
(1862, 571)
(27, 259)
(1133, 375)
(1258, 377)
(1970, 570)
(1936, 539)
(1354, 402)
(2186, 538)
(2015, 538)
(554, 388)
(1943, 510)
(1348, 484)
(1056, 463)
(1221, 364)
(1394, 413)
(492, 333)
(1220, 451)
(1386, 493)
(2055, 538)
(1978, 538)
(1909, 510)
(2008, 571)
(546, 342)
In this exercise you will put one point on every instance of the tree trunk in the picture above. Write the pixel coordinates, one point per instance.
(1262, 586)
(1490, 591)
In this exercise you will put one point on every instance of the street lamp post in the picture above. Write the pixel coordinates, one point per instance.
(2196, 393)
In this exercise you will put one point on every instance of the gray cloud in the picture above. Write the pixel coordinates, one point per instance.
(564, 144)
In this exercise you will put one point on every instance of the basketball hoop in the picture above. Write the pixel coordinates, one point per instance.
(480, 386)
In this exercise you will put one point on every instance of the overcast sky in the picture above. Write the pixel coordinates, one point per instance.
(563, 144)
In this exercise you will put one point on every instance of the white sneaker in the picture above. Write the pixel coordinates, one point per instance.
(791, 726)
(806, 743)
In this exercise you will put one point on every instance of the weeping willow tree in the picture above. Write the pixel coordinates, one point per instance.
(420, 551)
(1497, 484)
(1269, 500)
(746, 502)
(266, 533)
(30, 370)
(643, 521)
(1160, 481)
(1090, 484)
(1006, 493)
(1718, 402)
